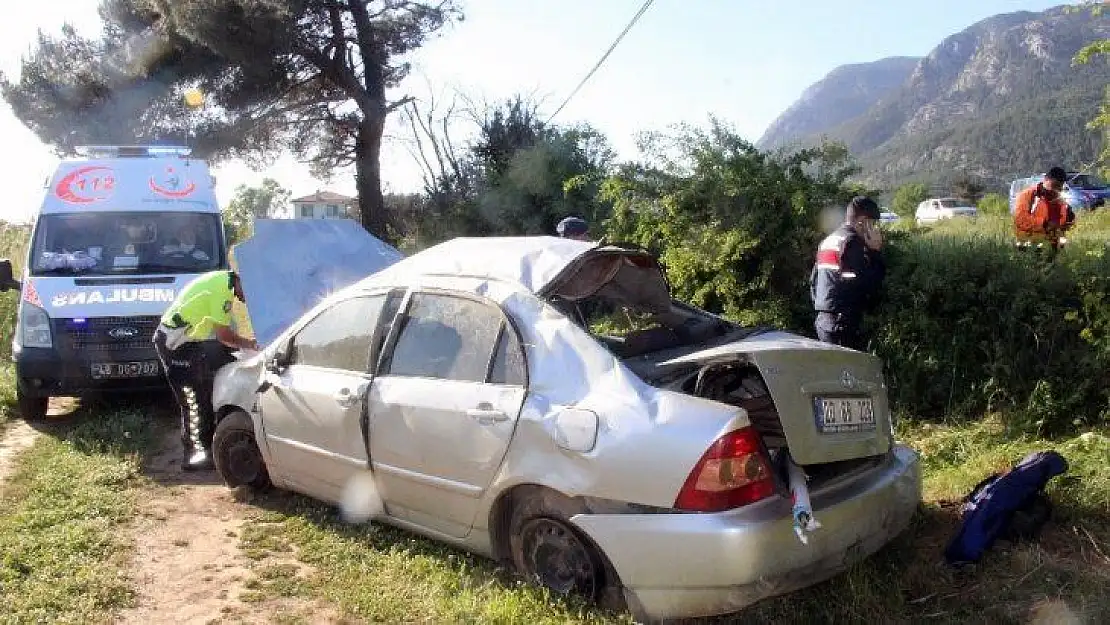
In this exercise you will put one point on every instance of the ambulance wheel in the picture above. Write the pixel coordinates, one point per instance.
(236, 454)
(31, 409)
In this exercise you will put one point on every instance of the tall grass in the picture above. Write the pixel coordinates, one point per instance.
(13, 246)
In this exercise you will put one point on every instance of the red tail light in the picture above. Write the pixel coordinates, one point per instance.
(733, 472)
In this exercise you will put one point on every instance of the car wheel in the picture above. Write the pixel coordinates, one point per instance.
(236, 454)
(548, 550)
(31, 409)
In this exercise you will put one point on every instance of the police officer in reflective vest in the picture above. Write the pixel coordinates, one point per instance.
(848, 275)
(193, 340)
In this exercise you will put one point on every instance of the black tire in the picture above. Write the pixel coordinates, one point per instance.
(236, 454)
(548, 550)
(31, 409)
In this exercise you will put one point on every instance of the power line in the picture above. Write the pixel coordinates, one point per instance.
(631, 23)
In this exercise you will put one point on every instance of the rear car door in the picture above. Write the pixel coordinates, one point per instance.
(444, 407)
(314, 411)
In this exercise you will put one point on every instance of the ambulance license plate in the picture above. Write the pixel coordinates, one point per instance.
(122, 370)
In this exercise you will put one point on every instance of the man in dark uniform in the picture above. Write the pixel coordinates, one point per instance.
(848, 275)
(193, 340)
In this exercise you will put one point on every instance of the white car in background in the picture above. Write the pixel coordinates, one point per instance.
(935, 209)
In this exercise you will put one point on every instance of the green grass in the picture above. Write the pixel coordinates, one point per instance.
(376, 573)
(63, 557)
(13, 246)
(7, 395)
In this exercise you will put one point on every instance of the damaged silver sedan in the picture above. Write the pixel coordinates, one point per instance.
(546, 403)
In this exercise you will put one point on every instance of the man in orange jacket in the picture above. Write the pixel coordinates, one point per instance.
(1041, 214)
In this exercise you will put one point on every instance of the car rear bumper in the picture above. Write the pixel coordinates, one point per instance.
(690, 565)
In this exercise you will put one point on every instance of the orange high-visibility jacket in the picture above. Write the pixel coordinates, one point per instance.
(1045, 214)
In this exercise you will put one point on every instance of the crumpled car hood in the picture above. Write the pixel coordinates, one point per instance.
(289, 265)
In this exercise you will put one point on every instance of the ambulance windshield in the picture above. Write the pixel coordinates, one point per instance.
(122, 243)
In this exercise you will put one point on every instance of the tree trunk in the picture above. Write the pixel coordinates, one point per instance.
(368, 177)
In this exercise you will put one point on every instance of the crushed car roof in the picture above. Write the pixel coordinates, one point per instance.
(533, 261)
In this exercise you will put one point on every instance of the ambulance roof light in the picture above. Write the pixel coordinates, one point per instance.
(118, 151)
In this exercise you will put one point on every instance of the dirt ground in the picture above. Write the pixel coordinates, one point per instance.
(19, 435)
(16, 438)
(187, 566)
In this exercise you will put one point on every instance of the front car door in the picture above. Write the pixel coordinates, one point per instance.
(443, 408)
(313, 412)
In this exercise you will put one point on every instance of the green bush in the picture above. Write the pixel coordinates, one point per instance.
(969, 323)
(735, 228)
(13, 246)
(994, 204)
(907, 197)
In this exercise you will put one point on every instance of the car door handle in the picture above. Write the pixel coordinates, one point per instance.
(486, 415)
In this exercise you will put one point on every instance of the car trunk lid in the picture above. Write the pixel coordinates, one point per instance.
(824, 403)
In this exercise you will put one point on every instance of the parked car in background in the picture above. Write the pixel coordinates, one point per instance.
(935, 209)
(545, 402)
(1086, 191)
(1082, 191)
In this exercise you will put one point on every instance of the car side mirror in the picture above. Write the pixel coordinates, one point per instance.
(7, 279)
(274, 364)
(281, 358)
(272, 370)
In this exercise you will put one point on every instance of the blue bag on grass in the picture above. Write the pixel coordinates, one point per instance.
(1011, 504)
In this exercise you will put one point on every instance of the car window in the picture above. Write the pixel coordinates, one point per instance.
(446, 337)
(1086, 181)
(339, 337)
(508, 361)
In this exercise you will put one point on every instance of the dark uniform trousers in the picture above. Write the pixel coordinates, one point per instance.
(191, 369)
(840, 329)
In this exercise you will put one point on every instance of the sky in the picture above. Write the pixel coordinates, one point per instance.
(744, 61)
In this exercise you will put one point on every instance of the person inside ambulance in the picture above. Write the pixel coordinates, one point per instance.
(182, 242)
(193, 340)
(848, 274)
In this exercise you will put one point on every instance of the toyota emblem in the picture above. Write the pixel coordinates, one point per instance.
(123, 333)
(847, 380)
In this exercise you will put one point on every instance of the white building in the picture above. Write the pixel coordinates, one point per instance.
(323, 205)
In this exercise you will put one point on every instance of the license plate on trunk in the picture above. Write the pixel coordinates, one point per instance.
(834, 415)
(123, 370)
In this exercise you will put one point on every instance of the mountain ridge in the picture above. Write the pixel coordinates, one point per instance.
(996, 100)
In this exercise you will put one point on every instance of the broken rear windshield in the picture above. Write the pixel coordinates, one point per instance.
(624, 302)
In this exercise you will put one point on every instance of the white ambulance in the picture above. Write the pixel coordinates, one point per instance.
(121, 230)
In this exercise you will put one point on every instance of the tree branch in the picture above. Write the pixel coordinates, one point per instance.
(343, 78)
(399, 103)
(428, 173)
(373, 56)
